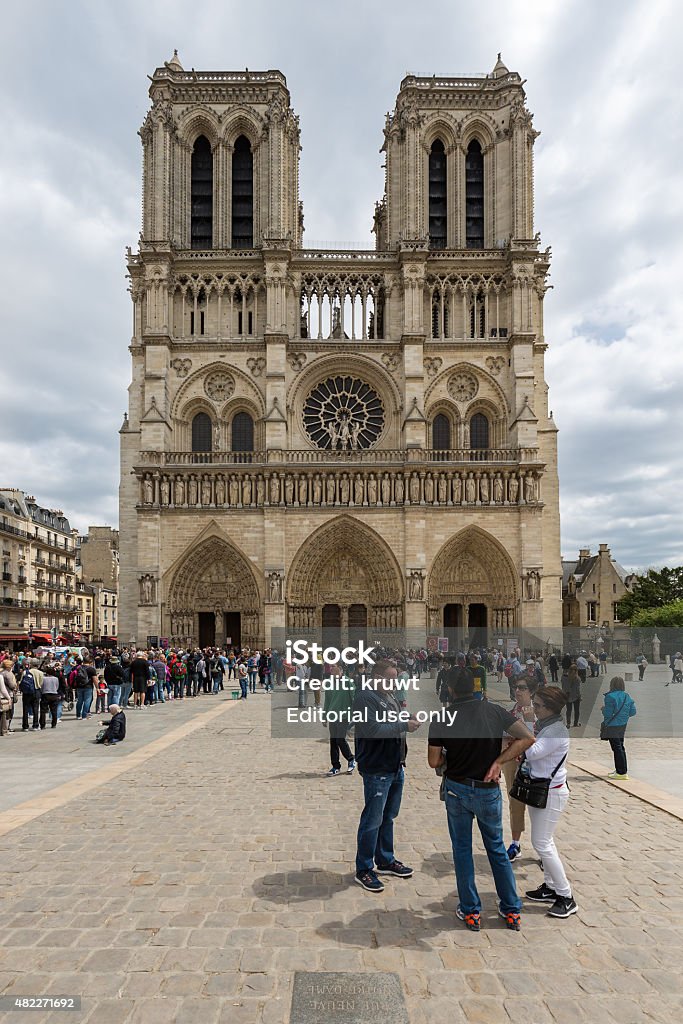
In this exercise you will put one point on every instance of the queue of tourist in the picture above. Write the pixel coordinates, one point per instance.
(122, 679)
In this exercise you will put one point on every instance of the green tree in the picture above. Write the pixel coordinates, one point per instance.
(670, 615)
(657, 588)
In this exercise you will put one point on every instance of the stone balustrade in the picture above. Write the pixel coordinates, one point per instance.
(327, 457)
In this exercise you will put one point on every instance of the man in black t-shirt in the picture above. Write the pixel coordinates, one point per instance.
(470, 750)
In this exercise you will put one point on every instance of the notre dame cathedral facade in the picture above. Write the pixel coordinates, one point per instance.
(357, 440)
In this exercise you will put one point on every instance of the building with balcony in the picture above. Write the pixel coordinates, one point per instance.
(326, 438)
(38, 547)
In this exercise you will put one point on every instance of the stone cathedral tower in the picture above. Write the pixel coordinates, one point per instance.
(352, 440)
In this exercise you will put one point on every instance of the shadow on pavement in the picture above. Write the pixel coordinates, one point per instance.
(299, 886)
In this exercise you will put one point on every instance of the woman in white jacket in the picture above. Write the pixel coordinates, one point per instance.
(547, 759)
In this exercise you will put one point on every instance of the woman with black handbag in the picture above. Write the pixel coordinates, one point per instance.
(546, 761)
(616, 711)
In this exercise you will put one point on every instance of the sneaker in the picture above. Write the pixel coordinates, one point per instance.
(472, 921)
(395, 868)
(333, 771)
(514, 850)
(351, 768)
(564, 906)
(544, 894)
(369, 881)
(513, 921)
(616, 775)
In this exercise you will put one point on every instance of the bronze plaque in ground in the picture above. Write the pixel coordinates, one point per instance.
(347, 998)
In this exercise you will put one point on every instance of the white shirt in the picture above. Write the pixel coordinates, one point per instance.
(546, 753)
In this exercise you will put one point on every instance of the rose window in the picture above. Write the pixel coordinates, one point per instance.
(463, 387)
(343, 413)
(219, 385)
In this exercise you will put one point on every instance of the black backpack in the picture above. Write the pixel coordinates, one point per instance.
(28, 684)
(82, 679)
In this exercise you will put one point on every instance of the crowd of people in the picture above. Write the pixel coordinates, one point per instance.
(50, 684)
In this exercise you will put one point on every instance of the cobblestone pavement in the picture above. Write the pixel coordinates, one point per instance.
(190, 888)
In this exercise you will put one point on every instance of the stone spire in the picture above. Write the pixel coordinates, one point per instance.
(500, 69)
(174, 63)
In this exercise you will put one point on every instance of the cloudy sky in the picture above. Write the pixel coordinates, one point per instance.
(604, 86)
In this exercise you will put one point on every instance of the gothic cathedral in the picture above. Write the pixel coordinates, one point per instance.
(351, 440)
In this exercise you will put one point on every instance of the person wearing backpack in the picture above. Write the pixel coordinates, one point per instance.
(84, 678)
(30, 687)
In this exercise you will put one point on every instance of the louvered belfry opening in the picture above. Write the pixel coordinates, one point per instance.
(438, 211)
(242, 194)
(242, 432)
(201, 433)
(474, 196)
(441, 433)
(202, 195)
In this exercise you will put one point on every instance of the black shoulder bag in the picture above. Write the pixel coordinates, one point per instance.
(612, 732)
(532, 792)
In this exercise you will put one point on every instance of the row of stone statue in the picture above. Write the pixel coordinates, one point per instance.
(483, 487)
(388, 616)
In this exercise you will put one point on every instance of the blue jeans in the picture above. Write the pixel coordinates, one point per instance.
(114, 696)
(125, 694)
(375, 844)
(83, 701)
(253, 678)
(243, 686)
(463, 805)
(159, 692)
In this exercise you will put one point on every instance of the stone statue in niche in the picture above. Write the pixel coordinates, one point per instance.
(147, 589)
(416, 585)
(220, 491)
(275, 587)
(498, 489)
(192, 491)
(149, 490)
(513, 489)
(470, 489)
(344, 489)
(165, 491)
(457, 489)
(484, 490)
(532, 586)
(386, 489)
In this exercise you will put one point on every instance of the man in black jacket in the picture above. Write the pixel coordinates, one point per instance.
(380, 742)
(116, 729)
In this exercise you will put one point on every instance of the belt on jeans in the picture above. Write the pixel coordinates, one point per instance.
(475, 783)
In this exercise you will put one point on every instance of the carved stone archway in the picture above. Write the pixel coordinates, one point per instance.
(214, 578)
(345, 564)
(473, 569)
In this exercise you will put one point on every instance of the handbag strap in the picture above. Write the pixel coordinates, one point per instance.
(618, 711)
(558, 767)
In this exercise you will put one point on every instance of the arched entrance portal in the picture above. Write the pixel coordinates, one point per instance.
(472, 588)
(345, 584)
(213, 597)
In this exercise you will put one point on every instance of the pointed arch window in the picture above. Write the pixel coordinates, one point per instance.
(201, 229)
(474, 196)
(479, 431)
(438, 210)
(201, 433)
(242, 194)
(441, 432)
(242, 432)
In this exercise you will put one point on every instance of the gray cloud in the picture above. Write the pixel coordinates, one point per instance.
(603, 85)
